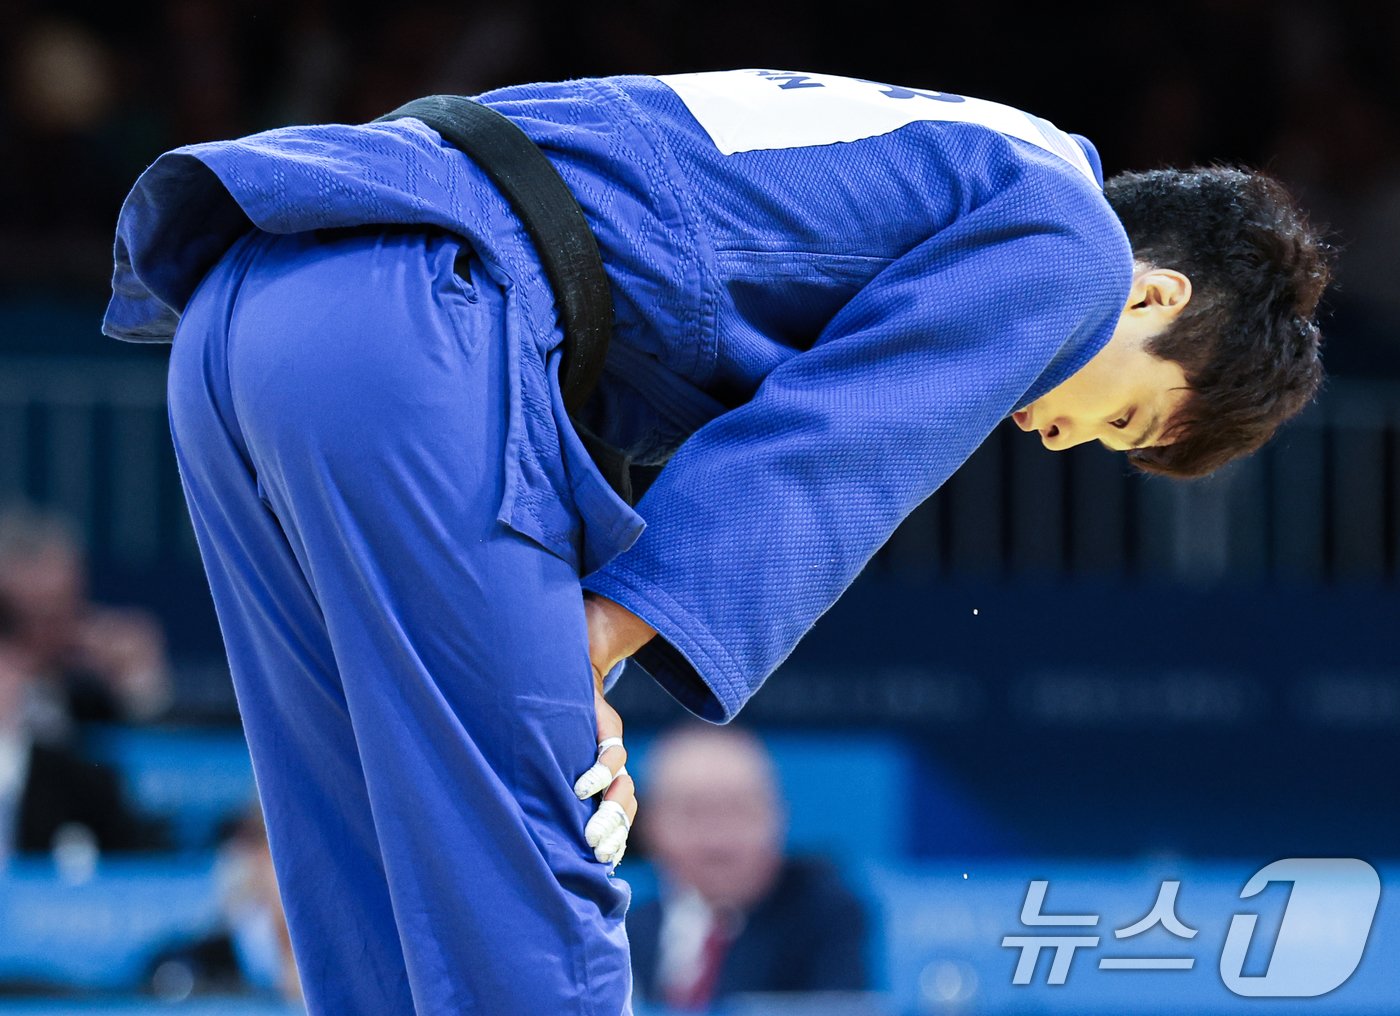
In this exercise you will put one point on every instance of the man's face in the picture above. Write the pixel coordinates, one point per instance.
(46, 591)
(1124, 397)
(714, 822)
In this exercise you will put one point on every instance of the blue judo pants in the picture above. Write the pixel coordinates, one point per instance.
(412, 675)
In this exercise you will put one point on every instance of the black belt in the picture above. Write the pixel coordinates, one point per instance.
(566, 247)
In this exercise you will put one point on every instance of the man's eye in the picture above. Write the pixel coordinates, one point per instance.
(1122, 421)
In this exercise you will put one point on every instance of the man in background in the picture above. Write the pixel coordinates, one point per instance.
(735, 914)
(48, 792)
(91, 662)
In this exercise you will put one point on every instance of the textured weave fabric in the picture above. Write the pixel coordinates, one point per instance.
(815, 336)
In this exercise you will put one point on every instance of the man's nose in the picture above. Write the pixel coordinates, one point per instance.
(1061, 433)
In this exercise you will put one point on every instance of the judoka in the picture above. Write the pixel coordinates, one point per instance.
(825, 293)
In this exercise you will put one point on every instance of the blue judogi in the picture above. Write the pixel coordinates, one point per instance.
(828, 292)
(413, 681)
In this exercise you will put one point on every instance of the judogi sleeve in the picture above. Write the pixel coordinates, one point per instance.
(765, 515)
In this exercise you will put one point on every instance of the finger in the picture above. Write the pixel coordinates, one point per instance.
(610, 748)
(612, 756)
(611, 846)
(623, 791)
(605, 826)
(600, 776)
(609, 817)
(612, 833)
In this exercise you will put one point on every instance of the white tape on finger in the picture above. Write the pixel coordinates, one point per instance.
(611, 811)
(599, 777)
(607, 818)
(611, 844)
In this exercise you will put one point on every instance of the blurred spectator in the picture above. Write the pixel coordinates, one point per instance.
(93, 663)
(735, 914)
(49, 796)
(250, 952)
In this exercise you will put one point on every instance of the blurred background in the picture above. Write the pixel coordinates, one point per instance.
(1055, 671)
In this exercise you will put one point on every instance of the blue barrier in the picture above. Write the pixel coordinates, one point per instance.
(194, 778)
(833, 1003)
(102, 933)
(146, 1007)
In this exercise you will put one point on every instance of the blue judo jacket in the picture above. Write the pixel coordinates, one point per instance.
(828, 292)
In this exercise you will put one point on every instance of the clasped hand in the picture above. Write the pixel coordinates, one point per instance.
(614, 633)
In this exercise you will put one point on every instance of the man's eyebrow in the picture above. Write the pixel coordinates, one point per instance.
(1150, 434)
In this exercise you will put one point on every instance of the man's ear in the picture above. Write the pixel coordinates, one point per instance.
(1160, 290)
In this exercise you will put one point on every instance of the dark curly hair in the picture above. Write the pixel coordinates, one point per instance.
(1248, 340)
